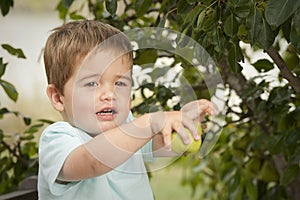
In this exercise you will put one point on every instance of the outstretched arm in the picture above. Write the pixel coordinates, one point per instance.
(113, 147)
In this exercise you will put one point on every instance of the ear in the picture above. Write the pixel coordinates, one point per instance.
(55, 97)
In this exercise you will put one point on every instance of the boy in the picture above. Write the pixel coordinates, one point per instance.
(98, 151)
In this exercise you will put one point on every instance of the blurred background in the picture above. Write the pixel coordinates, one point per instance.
(27, 28)
(255, 45)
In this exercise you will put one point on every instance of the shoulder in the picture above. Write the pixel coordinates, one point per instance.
(60, 131)
(58, 128)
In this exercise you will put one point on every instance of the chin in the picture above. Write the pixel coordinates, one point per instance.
(105, 126)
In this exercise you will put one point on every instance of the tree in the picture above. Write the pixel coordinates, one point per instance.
(257, 155)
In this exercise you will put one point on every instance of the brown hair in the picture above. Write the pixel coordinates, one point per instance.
(70, 43)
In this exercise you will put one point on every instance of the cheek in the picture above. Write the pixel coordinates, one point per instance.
(124, 94)
(82, 101)
(125, 98)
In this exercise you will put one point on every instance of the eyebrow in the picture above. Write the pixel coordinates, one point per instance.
(125, 77)
(88, 77)
(129, 78)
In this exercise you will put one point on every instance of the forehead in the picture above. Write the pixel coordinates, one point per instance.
(97, 62)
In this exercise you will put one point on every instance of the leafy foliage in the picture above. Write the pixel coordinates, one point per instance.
(18, 153)
(257, 155)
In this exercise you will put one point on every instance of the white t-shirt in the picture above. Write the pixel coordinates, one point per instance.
(127, 181)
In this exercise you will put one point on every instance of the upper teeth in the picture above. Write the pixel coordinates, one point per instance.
(105, 111)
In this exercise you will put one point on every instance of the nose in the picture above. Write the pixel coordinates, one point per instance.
(106, 93)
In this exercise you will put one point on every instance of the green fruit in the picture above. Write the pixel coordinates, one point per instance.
(291, 59)
(179, 147)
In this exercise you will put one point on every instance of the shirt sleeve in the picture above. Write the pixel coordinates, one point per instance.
(56, 143)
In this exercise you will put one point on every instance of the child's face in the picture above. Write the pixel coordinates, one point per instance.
(97, 96)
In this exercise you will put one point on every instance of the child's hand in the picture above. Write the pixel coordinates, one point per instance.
(188, 117)
(197, 110)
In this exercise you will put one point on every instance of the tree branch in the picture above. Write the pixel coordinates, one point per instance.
(10, 150)
(293, 80)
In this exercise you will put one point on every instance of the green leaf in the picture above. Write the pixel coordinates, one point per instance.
(161, 26)
(62, 10)
(2, 67)
(159, 72)
(190, 18)
(259, 31)
(231, 26)
(5, 6)
(237, 192)
(242, 11)
(75, 16)
(296, 21)
(183, 7)
(147, 56)
(266, 35)
(142, 6)
(268, 172)
(183, 38)
(221, 41)
(28, 137)
(254, 24)
(30, 148)
(242, 33)
(234, 57)
(3, 111)
(111, 6)
(67, 3)
(277, 12)
(200, 20)
(1, 136)
(289, 174)
(275, 144)
(294, 37)
(47, 121)
(149, 86)
(27, 120)
(13, 51)
(295, 31)
(10, 90)
(207, 19)
(191, 2)
(263, 65)
(286, 29)
(279, 95)
(251, 190)
(33, 128)
(163, 94)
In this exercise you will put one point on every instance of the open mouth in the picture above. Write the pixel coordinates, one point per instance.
(106, 112)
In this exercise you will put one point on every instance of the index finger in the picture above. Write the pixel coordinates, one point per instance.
(199, 108)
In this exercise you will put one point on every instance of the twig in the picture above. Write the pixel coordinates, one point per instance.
(22, 160)
(286, 73)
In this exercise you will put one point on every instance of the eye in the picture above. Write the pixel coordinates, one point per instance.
(121, 84)
(91, 84)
